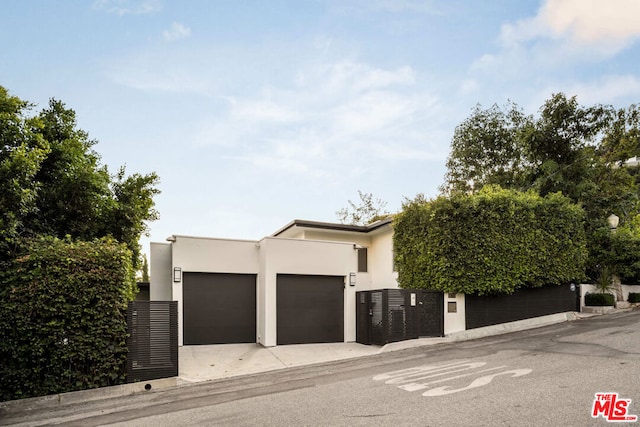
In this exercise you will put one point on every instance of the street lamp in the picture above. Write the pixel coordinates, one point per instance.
(613, 221)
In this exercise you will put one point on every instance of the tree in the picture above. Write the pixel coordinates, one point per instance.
(53, 184)
(144, 269)
(22, 151)
(567, 148)
(486, 149)
(367, 211)
(74, 189)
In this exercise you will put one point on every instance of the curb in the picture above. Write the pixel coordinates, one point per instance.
(519, 325)
(82, 396)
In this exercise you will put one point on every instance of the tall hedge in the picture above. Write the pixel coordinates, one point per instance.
(493, 242)
(63, 317)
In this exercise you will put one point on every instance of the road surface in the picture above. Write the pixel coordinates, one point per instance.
(543, 377)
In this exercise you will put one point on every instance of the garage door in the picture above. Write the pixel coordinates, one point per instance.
(310, 309)
(219, 308)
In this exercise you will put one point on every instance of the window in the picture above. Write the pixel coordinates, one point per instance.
(362, 260)
(452, 307)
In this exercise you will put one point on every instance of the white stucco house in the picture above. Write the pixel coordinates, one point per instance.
(297, 285)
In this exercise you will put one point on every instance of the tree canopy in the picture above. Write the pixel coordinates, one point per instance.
(366, 211)
(53, 183)
(580, 151)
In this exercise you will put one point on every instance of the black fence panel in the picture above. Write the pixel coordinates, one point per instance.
(152, 340)
(390, 315)
(523, 304)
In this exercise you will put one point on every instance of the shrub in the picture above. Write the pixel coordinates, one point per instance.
(493, 242)
(63, 317)
(634, 297)
(599, 299)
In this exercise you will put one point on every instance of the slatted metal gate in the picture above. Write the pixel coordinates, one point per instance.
(152, 340)
(390, 315)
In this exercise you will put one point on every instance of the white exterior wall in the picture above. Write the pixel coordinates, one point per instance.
(380, 255)
(454, 322)
(203, 255)
(379, 246)
(309, 257)
(160, 272)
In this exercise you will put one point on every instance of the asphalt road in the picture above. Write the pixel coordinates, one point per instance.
(543, 377)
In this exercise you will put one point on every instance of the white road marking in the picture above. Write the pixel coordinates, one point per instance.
(412, 379)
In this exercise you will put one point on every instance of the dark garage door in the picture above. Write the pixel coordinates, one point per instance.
(310, 309)
(219, 308)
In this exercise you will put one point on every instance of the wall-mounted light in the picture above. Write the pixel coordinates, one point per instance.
(613, 221)
(177, 274)
(352, 279)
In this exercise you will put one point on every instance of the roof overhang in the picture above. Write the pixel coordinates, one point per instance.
(329, 226)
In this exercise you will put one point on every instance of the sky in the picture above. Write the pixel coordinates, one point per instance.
(255, 113)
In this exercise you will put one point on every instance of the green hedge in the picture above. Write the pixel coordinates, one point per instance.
(63, 317)
(634, 297)
(493, 242)
(599, 299)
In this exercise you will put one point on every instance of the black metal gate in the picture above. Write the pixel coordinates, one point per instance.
(152, 340)
(390, 315)
(523, 304)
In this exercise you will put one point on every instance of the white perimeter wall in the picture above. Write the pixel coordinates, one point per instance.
(454, 322)
(160, 272)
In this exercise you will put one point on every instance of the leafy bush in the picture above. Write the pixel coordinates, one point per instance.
(599, 299)
(634, 297)
(620, 250)
(493, 242)
(63, 317)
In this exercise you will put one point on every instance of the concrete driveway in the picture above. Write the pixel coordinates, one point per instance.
(207, 362)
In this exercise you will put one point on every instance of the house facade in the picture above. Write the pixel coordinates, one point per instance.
(297, 285)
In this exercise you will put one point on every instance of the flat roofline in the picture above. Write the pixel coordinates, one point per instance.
(173, 237)
(333, 226)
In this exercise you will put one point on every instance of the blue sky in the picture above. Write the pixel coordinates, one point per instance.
(254, 113)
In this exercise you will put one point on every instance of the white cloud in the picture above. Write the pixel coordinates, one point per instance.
(589, 24)
(333, 119)
(563, 45)
(176, 32)
(168, 72)
(611, 89)
(128, 7)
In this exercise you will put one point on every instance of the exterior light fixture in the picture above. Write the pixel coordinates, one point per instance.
(613, 221)
(352, 279)
(177, 274)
